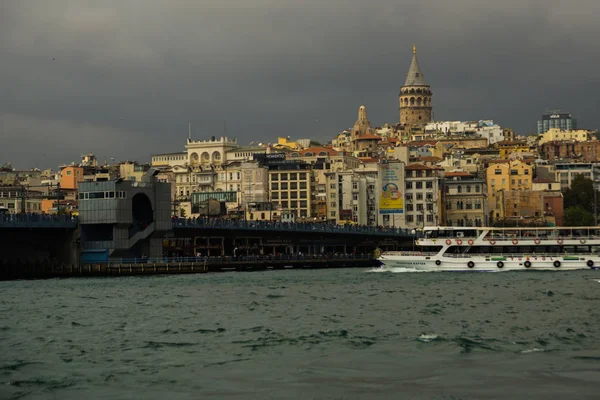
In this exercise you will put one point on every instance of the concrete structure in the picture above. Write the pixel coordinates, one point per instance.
(20, 199)
(351, 196)
(558, 134)
(290, 186)
(124, 218)
(424, 196)
(556, 120)
(565, 172)
(415, 96)
(465, 199)
(527, 207)
(581, 151)
(132, 171)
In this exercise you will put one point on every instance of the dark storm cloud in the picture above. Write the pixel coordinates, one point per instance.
(123, 78)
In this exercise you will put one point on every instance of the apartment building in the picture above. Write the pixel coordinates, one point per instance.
(424, 196)
(465, 199)
(290, 186)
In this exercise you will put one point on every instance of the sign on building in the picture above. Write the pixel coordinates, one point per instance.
(391, 198)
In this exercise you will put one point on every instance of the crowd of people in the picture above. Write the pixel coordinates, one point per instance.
(291, 226)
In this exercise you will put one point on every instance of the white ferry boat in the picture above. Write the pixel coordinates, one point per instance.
(500, 249)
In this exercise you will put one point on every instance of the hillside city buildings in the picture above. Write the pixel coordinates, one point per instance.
(411, 173)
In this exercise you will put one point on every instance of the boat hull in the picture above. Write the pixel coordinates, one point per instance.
(491, 264)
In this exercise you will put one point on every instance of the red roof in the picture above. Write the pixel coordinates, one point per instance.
(368, 137)
(457, 173)
(417, 166)
(430, 159)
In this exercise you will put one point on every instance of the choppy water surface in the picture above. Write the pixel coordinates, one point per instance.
(303, 334)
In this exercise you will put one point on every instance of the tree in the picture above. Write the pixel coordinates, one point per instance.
(578, 216)
(315, 143)
(182, 212)
(581, 193)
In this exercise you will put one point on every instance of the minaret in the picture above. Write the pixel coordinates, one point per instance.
(415, 96)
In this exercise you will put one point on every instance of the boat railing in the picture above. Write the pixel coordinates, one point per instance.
(516, 255)
(510, 238)
(410, 253)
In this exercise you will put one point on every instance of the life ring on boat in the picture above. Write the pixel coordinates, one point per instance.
(459, 242)
(437, 262)
(556, 264)
(492, 242)
(559, 241)
(590, 263)
(520, 258)
(543, 258)
(471, 242)
(515, 241)
(537, 241)
(582, 241)
(448, 241)
(470, 264)
(527, 264)
(500, 264)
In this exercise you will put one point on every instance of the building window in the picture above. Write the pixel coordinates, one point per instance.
(459, 189)
(409, 207)
(274, 186)
(409, 218)
(419, 185)
(429, 185)
(409, 185)
(302, 185)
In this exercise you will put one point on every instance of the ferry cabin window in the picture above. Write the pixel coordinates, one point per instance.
(454, 233)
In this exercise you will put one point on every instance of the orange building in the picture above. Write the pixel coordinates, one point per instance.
(70, 177)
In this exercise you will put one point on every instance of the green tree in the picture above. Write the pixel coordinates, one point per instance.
(578, 216)
(581, 193)
(315, 143)
(182, 212)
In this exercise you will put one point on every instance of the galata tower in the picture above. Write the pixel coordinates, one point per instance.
(415, 96)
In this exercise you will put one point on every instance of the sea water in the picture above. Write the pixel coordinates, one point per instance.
(303, 334)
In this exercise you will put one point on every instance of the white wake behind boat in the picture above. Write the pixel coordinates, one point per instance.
(500, 249)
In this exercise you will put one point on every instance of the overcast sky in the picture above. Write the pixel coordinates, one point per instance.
(123, 78)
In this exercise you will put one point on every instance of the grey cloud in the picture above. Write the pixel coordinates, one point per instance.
(145, 68)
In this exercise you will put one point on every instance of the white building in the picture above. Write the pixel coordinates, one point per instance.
(485, 128)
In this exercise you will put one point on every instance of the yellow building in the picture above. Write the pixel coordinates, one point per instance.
(285, 144)
(553, 134)
(506, 148)
(509, 175)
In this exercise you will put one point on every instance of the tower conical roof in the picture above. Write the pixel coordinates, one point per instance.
(415, 75)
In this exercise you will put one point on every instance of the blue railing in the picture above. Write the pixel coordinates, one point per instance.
(203, 223)
(37, 221)
(241, 259)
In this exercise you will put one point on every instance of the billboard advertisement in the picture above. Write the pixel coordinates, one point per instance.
(391, 197)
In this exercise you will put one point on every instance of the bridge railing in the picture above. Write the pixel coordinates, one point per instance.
(37, 221)
(287, 226)
(241, 259)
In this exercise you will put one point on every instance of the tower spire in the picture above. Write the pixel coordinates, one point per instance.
(414, 49)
